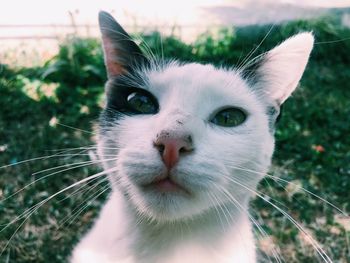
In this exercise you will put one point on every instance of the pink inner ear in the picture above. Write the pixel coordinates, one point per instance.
(113, 68)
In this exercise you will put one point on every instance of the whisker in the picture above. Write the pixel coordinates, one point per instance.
(332, 41)
(41, 203)
(61, 166)
(57, 172)
(29, 160)
(252, 219)
(314, 243)
(73, 128)
(311, 193)
(80, 190)
(91, 146)
(43, 158)
(76, 212)
(245, 60)
(285, 181)
(216, 204)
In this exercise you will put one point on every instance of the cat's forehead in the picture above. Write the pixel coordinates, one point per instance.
(196, 84)
(196, 80)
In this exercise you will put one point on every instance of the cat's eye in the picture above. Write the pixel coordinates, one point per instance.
(229, 117)
(142, 103)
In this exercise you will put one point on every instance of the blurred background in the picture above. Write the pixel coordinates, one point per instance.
(51, 92)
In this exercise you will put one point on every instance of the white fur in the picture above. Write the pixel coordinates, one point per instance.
(144, 226)
(284, 66)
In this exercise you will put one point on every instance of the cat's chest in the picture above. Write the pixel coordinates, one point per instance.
(118, 241)
(187, 252)
(192, 252)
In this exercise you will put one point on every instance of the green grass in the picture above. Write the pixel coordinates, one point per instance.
(312, 148)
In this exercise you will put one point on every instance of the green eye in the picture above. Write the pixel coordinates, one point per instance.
(142, 103)
(230, 117)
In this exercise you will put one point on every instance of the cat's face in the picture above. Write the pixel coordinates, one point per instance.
(188, 98)
(188, 136)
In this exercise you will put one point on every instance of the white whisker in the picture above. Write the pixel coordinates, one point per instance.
(314, 243)
(51, 174)
(41, 203)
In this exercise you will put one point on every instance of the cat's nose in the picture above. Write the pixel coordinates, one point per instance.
(172, 147)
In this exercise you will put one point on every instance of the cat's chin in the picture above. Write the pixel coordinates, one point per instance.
(165, 200)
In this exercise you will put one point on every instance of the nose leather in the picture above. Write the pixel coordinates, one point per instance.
(172, 147)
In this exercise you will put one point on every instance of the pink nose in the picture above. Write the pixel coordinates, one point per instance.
(171, 147)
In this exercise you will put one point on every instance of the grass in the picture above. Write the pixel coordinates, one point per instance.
(312, 148)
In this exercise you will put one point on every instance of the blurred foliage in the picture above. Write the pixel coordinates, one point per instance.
(78, 63)
(312, 148)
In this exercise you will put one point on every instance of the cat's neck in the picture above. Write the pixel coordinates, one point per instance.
(222, 234)
(212, 230)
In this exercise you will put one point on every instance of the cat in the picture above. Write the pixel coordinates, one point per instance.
(185, 145)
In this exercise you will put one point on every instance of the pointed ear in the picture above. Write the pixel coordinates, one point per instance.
(279, 71)
(121, 53)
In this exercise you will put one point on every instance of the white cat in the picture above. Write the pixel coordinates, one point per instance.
(191, 143)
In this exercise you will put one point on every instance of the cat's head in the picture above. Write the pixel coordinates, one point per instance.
(188, 136)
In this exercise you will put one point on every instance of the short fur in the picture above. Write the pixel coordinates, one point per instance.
(210, 222)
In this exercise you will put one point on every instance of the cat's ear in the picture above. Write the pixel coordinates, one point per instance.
(278, 72)
(121, 53)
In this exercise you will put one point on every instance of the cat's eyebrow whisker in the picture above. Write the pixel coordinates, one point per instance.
(161, 46)
(41, 203)
(314, 243)
(125, 38)
(57, 172)
(332, 41)
(147, 49)
(221, 189)
(251, 53)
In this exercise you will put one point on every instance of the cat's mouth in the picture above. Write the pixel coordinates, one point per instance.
(166, 185)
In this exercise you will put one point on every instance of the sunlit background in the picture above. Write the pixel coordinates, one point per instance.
(34, 28)
(51, 94)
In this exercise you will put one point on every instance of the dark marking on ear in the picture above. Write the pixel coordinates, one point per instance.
(279, 113)
(251, 74)
(274, 114)
(121, 53)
